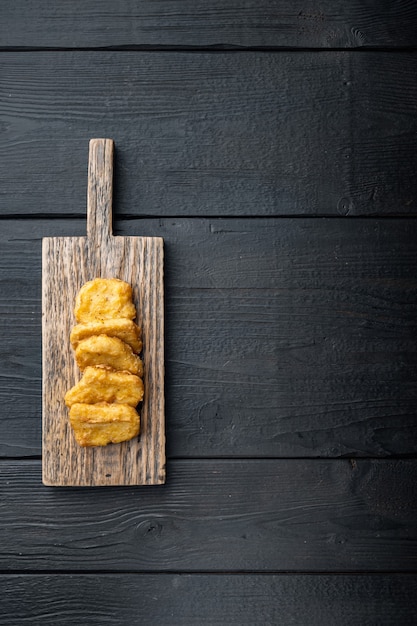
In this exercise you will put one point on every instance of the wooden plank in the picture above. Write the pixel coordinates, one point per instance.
(285, 337)
(182, 23)
(68, 263)
(251, 599)
(199, 134)
(217, 516)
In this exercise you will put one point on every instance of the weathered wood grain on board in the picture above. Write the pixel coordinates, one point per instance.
(213, 23)
(217, 515)
(207, 599)
(199, 134)
(68, 263)
(284, 337)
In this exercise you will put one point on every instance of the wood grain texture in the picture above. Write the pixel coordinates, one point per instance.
(68, 263)
(217, 515)
(199, 134)
(190, 599)
(284, 337)
(217, 23)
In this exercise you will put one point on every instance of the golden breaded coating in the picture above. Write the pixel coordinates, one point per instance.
(124, 329)
(102, 384)
(110, 351)
(102, 299)
(100, 424)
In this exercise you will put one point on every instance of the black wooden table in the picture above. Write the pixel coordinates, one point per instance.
(273, 146)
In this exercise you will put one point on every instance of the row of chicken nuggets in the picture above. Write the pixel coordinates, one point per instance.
(106, 342)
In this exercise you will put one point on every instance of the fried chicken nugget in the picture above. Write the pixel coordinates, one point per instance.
(103, 423)
(102, 299)
(124, 329)
(102, 384)
(110, 351)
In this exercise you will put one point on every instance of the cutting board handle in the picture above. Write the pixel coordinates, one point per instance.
(100, 191)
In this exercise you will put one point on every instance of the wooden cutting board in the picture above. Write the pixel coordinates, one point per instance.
(67, 263)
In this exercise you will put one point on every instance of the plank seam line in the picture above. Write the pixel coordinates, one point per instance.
(34, 457)
(388, 216)
(130, 217)
(398, 457)
(233, 459)
(215, 49)
(283, 573)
